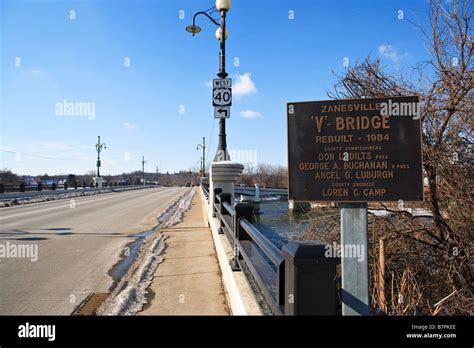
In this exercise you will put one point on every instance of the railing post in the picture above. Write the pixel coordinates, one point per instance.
(310, 279)
(224, 197)
(242, 211)
(217, 191)
(223, 175)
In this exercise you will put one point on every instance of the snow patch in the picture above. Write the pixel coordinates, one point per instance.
(130, 295)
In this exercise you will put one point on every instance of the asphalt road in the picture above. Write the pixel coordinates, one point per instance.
(78, 242)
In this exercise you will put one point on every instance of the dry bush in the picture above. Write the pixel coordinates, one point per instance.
(417, 275)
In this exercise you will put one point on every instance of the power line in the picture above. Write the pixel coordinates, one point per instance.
(210, 138)
(45, 157)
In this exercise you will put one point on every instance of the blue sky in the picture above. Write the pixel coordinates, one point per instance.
(160, 105)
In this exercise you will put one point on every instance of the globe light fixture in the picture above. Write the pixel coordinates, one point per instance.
(223, 5)
(219, 34)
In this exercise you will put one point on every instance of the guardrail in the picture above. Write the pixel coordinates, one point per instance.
(7, 188)
(297, 280)
(205, 189)
(250, 191)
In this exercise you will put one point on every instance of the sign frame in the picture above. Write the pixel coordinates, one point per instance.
(222, 86)
(292, 106)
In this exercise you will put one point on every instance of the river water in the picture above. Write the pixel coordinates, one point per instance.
(275, 222)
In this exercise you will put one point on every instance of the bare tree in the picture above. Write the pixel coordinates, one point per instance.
(7, 177)
(266, 175)
(445, 86)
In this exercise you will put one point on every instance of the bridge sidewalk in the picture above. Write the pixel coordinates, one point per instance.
(188, 281)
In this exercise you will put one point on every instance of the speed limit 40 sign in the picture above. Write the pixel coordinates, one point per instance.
(222, 92)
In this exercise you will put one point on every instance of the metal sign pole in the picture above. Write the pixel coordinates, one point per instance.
(354, 259)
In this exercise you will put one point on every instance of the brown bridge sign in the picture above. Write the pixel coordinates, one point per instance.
(355, 150)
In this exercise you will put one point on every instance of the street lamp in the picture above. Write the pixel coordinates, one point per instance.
(223, 6)
(143, 168)
(99, 148)
(203, 158)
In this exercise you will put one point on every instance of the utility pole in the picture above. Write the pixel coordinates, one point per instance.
(143, 168)
(99, 148)
(203, 158)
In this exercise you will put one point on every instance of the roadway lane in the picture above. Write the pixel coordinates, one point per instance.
(78, 242)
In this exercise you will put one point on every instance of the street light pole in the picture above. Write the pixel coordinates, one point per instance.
(222, 6)
(202, 165)
(99, 148)
(203, 158)
(222, 154)
(143, 168)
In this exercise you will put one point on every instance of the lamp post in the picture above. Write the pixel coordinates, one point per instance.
(202, 165)
(203, 158)
(143, 168)
(223, 6)
(99, 148)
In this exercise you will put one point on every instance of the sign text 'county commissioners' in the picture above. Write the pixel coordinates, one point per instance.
(355, 150)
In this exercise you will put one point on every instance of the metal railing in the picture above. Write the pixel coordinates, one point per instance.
(297, 280)
(263, 191)
(205, 189)
(22, 187)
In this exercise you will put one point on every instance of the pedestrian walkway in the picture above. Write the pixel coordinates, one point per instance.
(188, 281)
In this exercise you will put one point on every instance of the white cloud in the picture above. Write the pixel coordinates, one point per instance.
(128, 125)
(391, 53)
(244, 85)
(250, 113)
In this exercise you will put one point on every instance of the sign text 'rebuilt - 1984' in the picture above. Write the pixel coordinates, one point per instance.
(355, 150)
